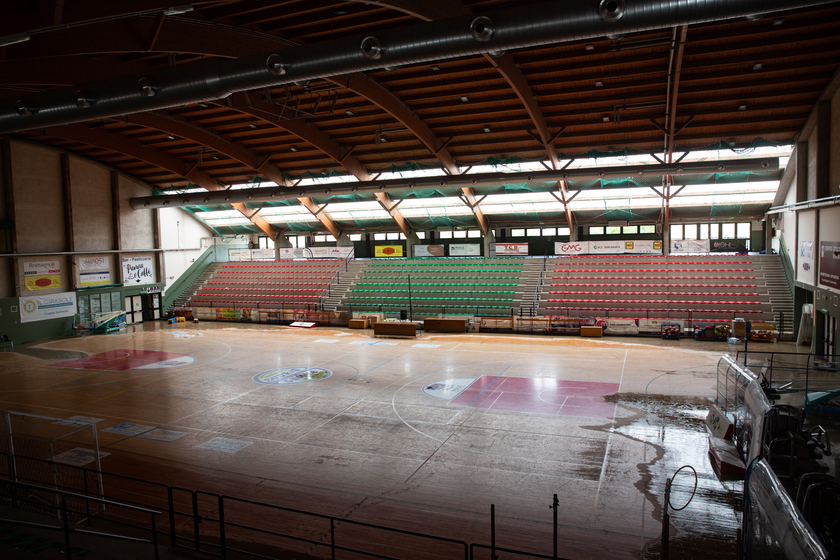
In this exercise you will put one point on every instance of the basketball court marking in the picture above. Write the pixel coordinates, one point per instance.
(120, 360)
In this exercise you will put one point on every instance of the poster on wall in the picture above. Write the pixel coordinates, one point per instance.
(806, 257)
(88, 279)
(138, 270)
(571, 248)
(428, 251)
(467, 250)
(262, 254)
(690, 246)
(729, 246)
(388, 251)
(94, 263)
(830, 263)
(41, 275)
(520, 249)
(606, 247)
(239, 254)
(53, 306)
(643, 247)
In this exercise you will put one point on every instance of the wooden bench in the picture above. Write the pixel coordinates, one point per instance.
(596, 332)
(394, 329)
(445, 325)
(358, 323)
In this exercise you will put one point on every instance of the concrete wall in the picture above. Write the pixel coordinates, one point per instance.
(62, 207)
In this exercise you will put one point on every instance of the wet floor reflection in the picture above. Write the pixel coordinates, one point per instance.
(675, 434)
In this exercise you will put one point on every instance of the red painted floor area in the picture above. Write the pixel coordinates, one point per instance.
(118, 360)
(540, 396)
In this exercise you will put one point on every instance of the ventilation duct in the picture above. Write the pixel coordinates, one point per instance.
(498, 31)
(477, 182)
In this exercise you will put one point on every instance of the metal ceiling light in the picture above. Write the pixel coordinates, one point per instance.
(611, 10)
(14, 39)
(464, 98)
(349, 112)
(758, 66)
(371, 48)
(482, 28)
(81, 100)
(23, 110)
(292, 149)
(275, 65)
(144, 86)
(170, 137)
(486, 128)
(175, 10)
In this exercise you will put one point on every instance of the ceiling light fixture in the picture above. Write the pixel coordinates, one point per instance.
(599, 84)
(204, 105)
(464, 98)
(292, 149)
(758, 66)
(170, 137)
(216, 158)
(175, 10)
(605, 119)
(778, 21)
(742, 107)
(486, 128)
(349, 112)
(434, 67)
(590, 47)
(252, 125)
(14, 39)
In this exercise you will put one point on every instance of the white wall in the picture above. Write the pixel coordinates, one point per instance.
(180, 236)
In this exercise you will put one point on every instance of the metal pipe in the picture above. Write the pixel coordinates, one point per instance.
(478, 182)
(501, 30)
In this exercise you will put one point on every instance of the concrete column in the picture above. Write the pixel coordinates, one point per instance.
(344, 240)
(666, 240)
(489, 242)
(573, 233)
(410, 242)
(768, 233)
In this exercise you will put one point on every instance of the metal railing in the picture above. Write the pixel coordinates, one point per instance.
(219, 525)
(21, 494)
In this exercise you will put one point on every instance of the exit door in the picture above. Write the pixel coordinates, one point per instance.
(133, 309)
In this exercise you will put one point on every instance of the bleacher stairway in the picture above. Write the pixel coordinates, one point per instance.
(346, 280)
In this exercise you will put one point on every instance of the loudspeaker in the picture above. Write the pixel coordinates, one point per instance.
(403, 315)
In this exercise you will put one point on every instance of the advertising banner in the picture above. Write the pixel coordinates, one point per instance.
(388, 251)
(262, 254)
(620, 326)
(520, 249)
(316, 253)
(729, 246)
(830, 263)
(469, 250)
(292, 253)
(87, 279)
(93, 263)
(428, 251)
(239, 254)
(651, 326)
(41, 275)
(606, 247)
(53, 306)
(571, 248)
(690, 246)
(138, 270)
(643, 247)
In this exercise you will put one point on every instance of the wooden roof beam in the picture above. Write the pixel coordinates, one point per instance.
(391, 207)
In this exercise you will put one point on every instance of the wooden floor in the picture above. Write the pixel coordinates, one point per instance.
(419, 434)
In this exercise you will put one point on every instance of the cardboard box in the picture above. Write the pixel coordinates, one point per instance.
(739, 329)
(359, 323)
(595, 332)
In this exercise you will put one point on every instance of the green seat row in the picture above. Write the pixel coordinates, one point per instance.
(431, 284)
(403, 264)
(431, 298)
(440, 291)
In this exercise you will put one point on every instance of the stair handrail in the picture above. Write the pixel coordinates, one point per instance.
(183, 283)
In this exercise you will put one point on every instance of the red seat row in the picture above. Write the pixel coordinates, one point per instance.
(663, 285)
(656, 270)
(215, 301)
(248, 288)
(660, 263)
(271, 283)
(663, 293)
(690, 302)
(274, 277)
(645, 309)
(275, 296)
(658, 277)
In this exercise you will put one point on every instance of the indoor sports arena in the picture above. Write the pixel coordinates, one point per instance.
(415, 280)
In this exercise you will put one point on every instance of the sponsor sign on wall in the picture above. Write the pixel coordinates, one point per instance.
(138, 270)
(806, 256)
(467, 250)
(53, 306)
(88, 279)
(93, 263)
(512, 249)
(315, 253)
(262, 254)
(729, 246)
(428, 251)
(571, 248)
(620, 326)
(690, 246)
(41, 275)
(386, 251)
(239, 254)
(830, 263)
(643, 247)
(606, 247)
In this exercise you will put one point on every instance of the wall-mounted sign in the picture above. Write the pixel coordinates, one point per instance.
(512, 249)
(138, 270)
(643, 247)
(151, 290)
(388, 251)
(53, 306)
(571, 248)
(41, 275)
(93, 263)
(429, 250)
(467, 250)
(690, 246)
(88, 279)
(606, 247)
(729, 246)
(830, 263)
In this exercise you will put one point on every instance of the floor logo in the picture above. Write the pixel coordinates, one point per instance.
(448, 389)
(291, 375)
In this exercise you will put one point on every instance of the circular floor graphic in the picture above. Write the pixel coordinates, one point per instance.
(447, 389)
(292, 375)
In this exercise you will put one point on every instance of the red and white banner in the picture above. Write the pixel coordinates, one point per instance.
(520, 249)
(571, 248)
(606, 247)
